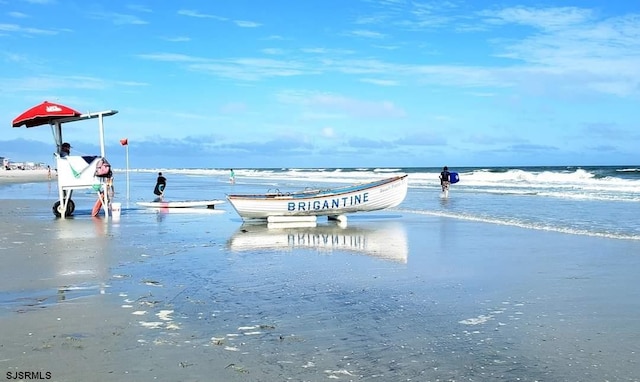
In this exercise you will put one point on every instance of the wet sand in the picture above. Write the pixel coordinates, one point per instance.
(392, 296)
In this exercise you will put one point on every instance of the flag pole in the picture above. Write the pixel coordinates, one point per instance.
(125, 142)
(127, 151)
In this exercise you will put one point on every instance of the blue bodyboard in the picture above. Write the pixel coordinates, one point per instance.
(454, 177)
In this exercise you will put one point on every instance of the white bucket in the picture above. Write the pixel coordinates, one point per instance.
(115, 210)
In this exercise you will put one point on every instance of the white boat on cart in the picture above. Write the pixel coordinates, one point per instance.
(333, 203)
(182, 204)
(75, 172)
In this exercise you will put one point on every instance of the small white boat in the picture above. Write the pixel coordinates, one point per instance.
(181, 204)
(333, 203)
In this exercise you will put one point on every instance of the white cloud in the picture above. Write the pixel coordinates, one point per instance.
(328, 132)
(119, 18)
(366, 34)
(542, 18)
(139, 8)
(18, 15)
(327, 102)
(178, 39)
(377, 81)
(233, 108)
(247, 24)
(14, 28)
(196, 14)
(273, 51)
(170, 57)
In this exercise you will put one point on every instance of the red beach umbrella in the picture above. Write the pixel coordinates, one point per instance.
(43, 114)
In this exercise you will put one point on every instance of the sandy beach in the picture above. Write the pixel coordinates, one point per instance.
(24, 176)
(392, 296)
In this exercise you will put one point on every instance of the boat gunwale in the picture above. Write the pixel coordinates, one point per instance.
(320, 193)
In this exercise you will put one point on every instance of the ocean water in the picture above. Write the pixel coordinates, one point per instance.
(601, 201)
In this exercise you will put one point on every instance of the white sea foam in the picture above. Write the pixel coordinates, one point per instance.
(164, 315)
(476, 320)
(151, 325)
(536, 226)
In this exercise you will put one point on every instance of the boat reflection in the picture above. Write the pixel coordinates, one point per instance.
(386, 240)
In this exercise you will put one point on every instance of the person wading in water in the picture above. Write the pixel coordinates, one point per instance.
(161, 183)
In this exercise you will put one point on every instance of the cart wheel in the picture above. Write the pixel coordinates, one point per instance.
(57, 209)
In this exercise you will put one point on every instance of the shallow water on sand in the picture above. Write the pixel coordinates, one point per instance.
(516, 309)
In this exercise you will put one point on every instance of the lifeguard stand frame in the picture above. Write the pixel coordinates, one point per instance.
(77, 172)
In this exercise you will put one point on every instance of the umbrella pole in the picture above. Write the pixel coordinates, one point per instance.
(101, 127)
(56, 130)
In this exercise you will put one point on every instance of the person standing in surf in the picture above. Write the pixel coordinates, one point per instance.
(232, 176)
(161, 183)
(444, 179)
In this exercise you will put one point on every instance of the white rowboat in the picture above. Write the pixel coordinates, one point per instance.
(364, 197)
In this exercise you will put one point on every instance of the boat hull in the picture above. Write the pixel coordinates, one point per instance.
(364, 197)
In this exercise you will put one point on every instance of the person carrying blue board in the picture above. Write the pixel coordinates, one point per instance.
(444, 179)
(447, 178)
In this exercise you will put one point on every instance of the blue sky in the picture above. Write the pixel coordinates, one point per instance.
(328, 83)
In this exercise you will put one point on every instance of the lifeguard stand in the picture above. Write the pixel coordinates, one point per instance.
(77, 172)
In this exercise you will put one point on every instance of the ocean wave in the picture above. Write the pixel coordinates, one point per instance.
(595, 183)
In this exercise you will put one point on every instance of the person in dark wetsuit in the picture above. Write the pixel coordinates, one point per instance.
(161, 183)
(444, 179)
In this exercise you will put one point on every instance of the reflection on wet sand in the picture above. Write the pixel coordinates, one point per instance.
(385, 240)
(81, 264)
(162, 213)
(75, 229)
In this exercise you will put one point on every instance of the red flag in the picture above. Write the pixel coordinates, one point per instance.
(124, 141)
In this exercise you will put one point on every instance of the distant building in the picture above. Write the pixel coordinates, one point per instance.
(7, 164)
